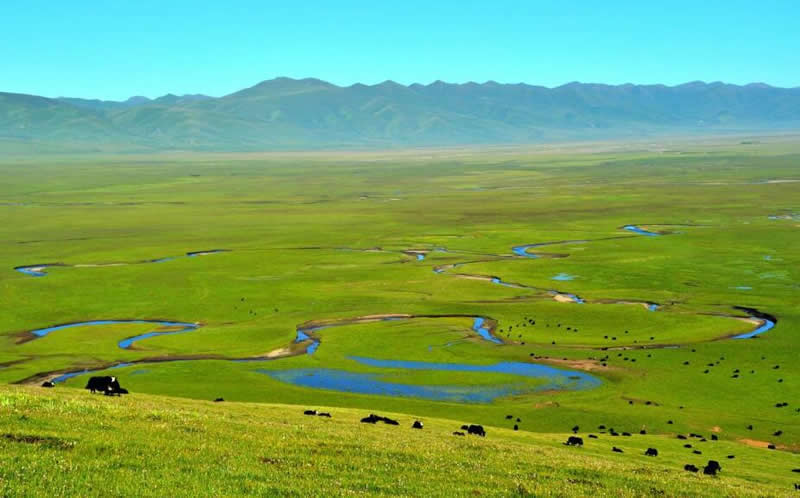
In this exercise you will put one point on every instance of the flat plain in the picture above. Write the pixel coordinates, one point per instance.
(584, 286)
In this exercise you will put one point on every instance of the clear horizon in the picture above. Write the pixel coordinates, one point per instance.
(113, 52)
(180, 94)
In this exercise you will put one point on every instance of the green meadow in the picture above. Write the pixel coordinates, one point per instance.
(66, 442)
(327, 238)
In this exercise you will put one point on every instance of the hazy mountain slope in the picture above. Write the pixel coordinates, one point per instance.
(310, 113)
(104, 105)
(30, 117)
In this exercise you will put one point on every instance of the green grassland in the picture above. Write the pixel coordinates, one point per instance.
(322, 237)
(69, 443)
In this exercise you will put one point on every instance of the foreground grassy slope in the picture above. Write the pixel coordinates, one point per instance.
(70, 442)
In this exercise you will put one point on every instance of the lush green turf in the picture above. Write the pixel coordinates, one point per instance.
(70, 443)
(304, 232)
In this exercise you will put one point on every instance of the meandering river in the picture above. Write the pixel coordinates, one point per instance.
(308, 341)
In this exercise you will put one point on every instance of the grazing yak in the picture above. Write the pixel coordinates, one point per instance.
(652, 452)
(101, 384)
(416, 425)
(372, 419)
(476, 429)
(106, 385)
(616, 450)
(219, 400)
(574, 441)
(310, 412)
(324, 414)
(690, 468)
(712, 468)
(47, 383)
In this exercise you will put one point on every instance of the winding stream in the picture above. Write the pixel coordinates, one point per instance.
(39, 270)
(305, 332)
(125, 343)
(371, 383)
(767, 325)
(640, 231)
(768, 322)
(522, 251)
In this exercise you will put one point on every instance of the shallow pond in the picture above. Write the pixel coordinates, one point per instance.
(370, 383)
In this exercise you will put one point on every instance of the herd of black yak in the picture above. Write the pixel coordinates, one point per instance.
(110, 386)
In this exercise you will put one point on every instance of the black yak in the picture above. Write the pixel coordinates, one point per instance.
(106, 385)
(476, 429)
(574, 441)
(712, 468)
(372, 419)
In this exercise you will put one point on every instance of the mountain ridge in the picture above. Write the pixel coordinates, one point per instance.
(283, 113)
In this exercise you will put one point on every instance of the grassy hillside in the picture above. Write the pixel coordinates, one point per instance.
(67, 442)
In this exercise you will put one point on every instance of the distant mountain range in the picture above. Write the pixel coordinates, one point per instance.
(286, 113)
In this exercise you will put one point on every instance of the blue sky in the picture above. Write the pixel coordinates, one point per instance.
(115, 49)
